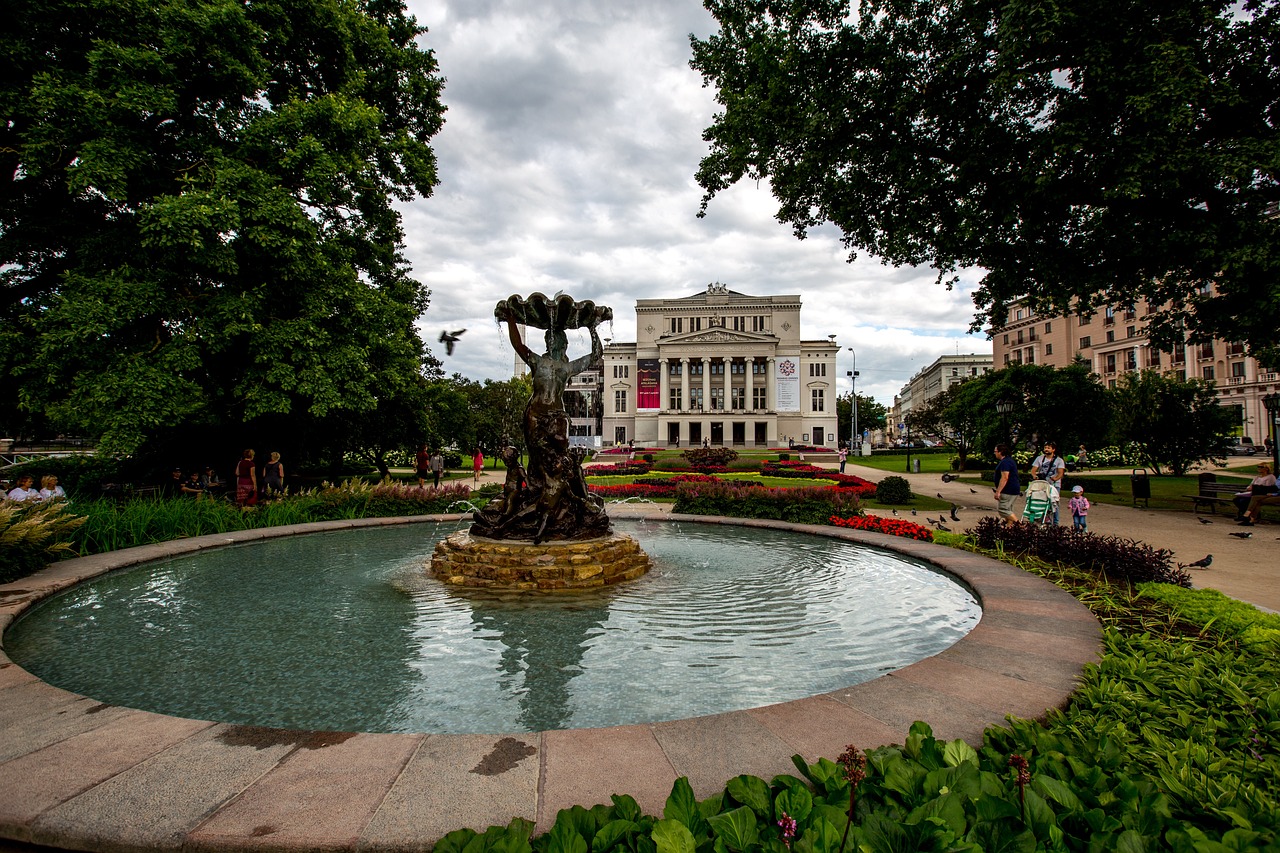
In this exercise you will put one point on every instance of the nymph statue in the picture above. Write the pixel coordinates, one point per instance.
(553, 503)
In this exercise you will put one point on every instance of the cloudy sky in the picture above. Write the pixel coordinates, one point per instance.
(573, 131)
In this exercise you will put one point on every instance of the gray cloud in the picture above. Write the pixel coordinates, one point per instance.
(567, 161)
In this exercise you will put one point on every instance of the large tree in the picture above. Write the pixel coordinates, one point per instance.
(1081, 153)
(1175, 422)
(196, 220)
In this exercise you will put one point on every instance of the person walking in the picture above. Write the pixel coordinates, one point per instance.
(246, 480)
(423, 463)
(1079, 506)
(437, 468)
(843, 456)
(1049, 466)
(477, 463)
(273, 473)
(1007, 485)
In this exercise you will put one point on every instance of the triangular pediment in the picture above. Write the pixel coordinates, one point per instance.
(717, 335)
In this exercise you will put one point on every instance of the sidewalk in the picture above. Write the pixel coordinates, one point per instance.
(1247, 569)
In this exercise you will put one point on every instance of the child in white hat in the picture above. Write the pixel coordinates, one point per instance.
(1079, 508)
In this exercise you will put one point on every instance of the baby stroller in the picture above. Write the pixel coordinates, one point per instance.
(1039, 502)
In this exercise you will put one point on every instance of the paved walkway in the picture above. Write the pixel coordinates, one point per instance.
(84, 775)
(1247, 569)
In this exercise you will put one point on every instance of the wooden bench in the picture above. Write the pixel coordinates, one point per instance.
(1213, 493)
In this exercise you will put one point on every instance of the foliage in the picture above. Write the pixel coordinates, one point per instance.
(730, 498)
(619, 468)
(32, 535)
(110, 525)
(959, 415)
(1174, 422)
(804, 471)
(449, 416)
(893, 490)
(497, 409)
(872, 415)
(1083, 154)
(1229, 617)
(197, 220)
(706, 457)
(890, 526)
(1110, 556)
(1115, 456)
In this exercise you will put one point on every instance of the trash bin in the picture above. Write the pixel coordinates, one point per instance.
(1140, 486)
(915, 465)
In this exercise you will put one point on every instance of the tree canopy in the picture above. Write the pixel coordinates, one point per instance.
(1173, 421)
(196, 210)
(1081, 153)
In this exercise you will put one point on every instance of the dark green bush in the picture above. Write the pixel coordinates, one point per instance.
(1112, 556)
(802, 506)
(893, 490)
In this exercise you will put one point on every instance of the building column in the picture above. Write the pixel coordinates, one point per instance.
(706, 385)
(770, 385)
(728, 385)
(684, 384)
(664, 385)
(747, 389)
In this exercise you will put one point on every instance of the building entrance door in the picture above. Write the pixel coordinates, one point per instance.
(819, 435)
(717, 432)
(762, 434)
(739, 433)
(619, 435)
(695, 433)
(673, 434)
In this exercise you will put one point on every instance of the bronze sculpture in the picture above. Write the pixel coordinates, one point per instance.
(552, 502)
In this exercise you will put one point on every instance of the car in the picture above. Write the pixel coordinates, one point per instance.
(1243, 447)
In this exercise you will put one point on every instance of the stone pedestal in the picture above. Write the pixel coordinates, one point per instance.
(464, 560)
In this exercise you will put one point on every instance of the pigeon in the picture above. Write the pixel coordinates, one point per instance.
(954, 517)
(1203, 520)
(1242, 535)
(940, 496)
(973, 491)
(913, 512)
(894, 511)
(942, 527)
(1203, 563)
(449, 339)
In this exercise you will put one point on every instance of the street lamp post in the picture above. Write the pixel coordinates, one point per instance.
(1272, 404)
(853, 399)
(1005, 407)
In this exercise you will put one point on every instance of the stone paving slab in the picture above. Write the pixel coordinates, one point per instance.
(120, 780)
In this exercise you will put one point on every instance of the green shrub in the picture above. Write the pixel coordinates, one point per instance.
(802, 506)
(893, 490)
(1226, 616)
(32, 535)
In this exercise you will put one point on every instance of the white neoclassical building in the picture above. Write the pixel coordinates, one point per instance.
(720, 367)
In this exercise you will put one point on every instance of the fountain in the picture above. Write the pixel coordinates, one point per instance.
(546, 531)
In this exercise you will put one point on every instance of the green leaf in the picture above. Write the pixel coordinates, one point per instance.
(819, 836)
(456, 841)
(957, 752)
(737, 828)
(1057, 791)
(613, 832)
(1130, 841)
(625, 807)
(751, 791)
(797, 803)
(672, 836)
(683, 806)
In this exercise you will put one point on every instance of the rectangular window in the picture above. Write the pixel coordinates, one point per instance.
(1110, 316)
(739, 398)
(1031, 356)
(1111, 335)
(738, 367)
(1111, 362)
(1085, 342)
(717, 398)
(1153, 358)
(1206, 350)
(757, 367)
(1130, 360)
(674, 368)
(1048, 327)
(695, 368)
(1206, 372)
(1006, 358)
(1019, 336)
(675, 399)
(717, 368)
(1048, 349)
(1085, 320)
(1130, 331)
(677, 325)
(695, 399)
(815, 400)
(758, 399)
(1237, 368)
(619, 401)
(1006, 340)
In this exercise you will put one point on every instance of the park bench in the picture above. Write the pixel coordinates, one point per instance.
(1213, 493)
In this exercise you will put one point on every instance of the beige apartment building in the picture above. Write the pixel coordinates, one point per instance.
(1112, 343)
(931, 381)
(723, 368)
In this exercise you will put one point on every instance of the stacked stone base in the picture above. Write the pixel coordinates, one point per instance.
(466, 561)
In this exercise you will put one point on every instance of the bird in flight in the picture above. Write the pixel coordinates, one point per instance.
(449, 339)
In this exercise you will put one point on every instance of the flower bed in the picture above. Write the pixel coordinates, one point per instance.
(660, 489)
(617, 469)
(730, 498)
(891, 526)
(804, 471)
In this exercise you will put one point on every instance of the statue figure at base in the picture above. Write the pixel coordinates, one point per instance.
(552, 503)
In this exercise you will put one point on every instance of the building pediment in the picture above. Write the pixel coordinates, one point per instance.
(718, 336)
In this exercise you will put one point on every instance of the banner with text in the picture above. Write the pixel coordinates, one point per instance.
(786, 378)
(648, 385)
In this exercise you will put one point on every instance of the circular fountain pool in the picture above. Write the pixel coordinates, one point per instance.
(345, 631)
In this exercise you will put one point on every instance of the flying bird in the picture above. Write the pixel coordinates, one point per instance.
(954, 517)
(449, 339)
(1242, 534)
(1203, 520)
(1203, 563)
